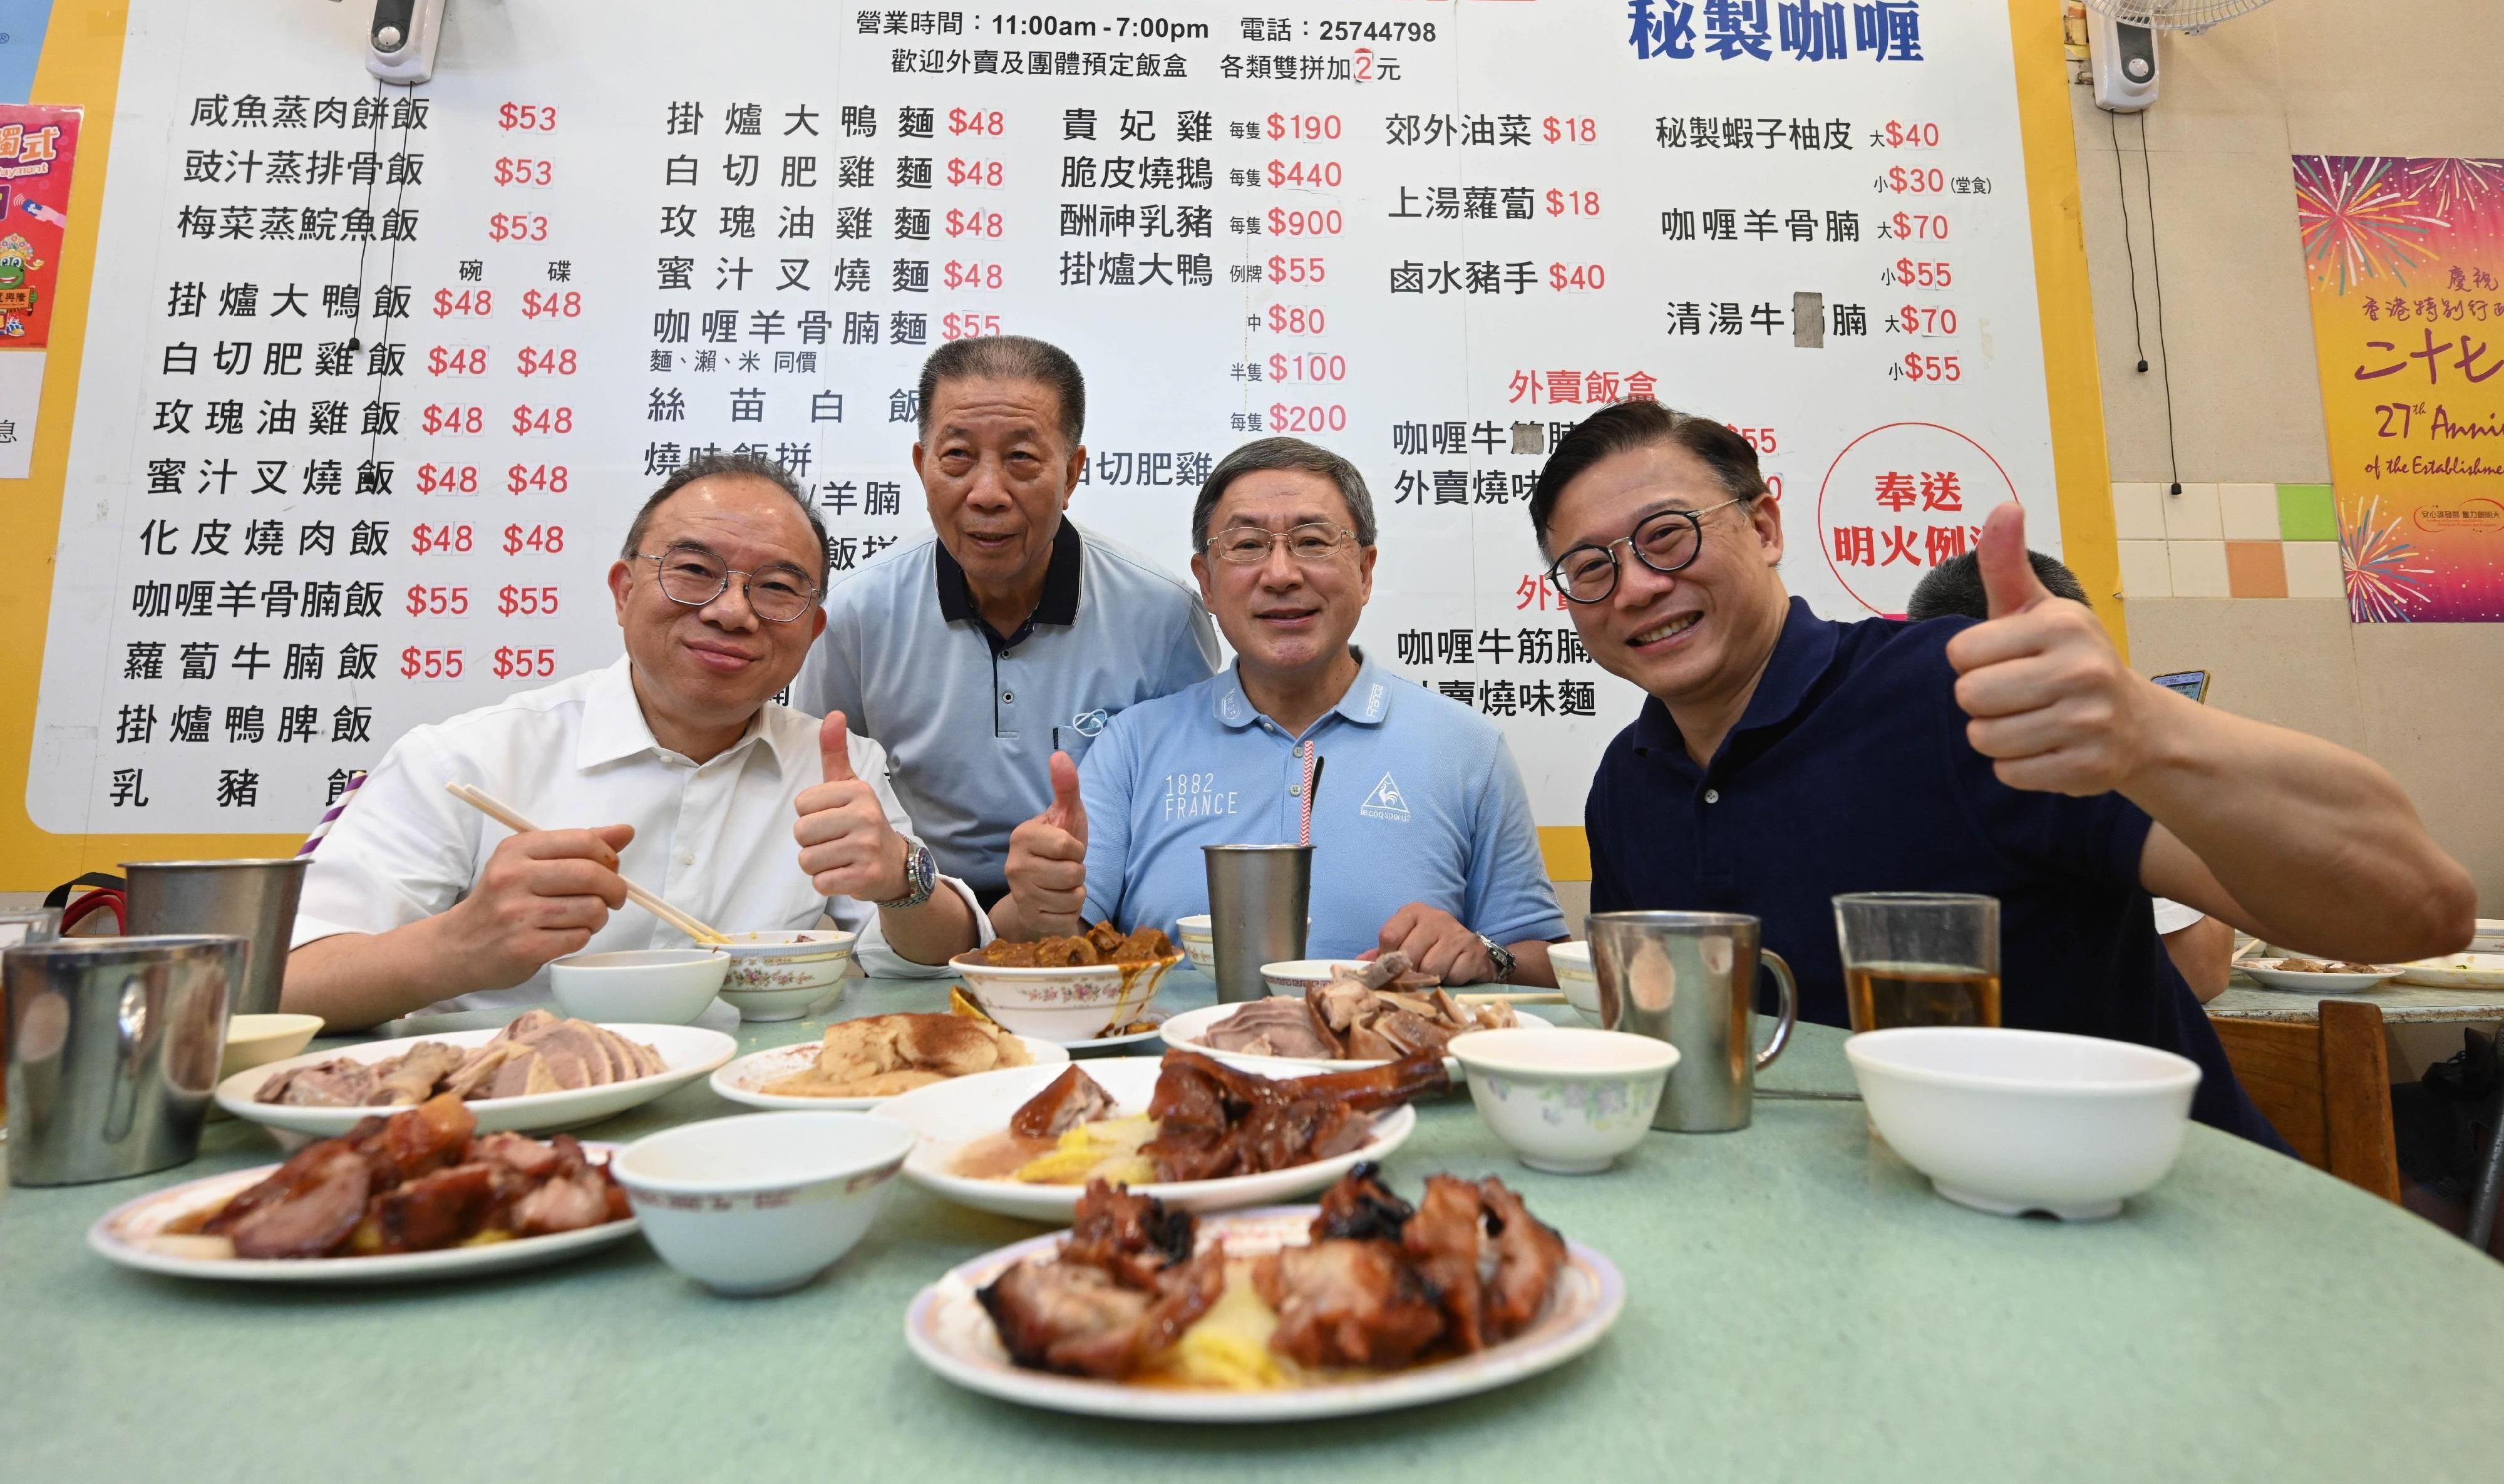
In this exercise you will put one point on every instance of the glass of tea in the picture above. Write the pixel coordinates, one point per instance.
(1919, 959)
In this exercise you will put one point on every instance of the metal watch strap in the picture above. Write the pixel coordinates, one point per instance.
(921, 872)
(1502, 955)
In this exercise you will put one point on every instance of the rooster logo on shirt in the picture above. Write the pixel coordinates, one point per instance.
(1385, 803)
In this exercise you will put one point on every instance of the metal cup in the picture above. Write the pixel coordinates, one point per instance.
(113, 1053)
(1690, 978)
(1257, 900)
(253, 897)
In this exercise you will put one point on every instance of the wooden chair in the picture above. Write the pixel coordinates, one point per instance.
(2326, 1088)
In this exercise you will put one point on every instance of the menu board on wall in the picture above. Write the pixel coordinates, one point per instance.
(375, 375)
(2405, 257)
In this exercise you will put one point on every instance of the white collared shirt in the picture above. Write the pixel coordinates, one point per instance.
(713, 838)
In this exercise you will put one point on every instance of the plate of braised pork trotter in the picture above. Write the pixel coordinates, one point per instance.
(419, 1194)
(539, 1073)
(1369, 1014)
(1364, 1303)
(1194, 1132)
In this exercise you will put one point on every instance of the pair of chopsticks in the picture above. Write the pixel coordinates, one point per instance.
(1516, 997)
(497, 810)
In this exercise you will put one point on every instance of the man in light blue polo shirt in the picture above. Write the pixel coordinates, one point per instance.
(1422, 837)
(1006, 636)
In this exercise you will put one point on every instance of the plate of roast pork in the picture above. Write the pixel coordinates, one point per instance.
(1372, 1014)
(537, 1074)
(1192, 1131)
(1363, 1303)
(422, 1194)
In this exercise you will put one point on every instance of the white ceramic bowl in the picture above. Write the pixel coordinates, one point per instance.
(1065, 1006)
(1571, 962)
(1566, 1099)
(783, 975)
(2012, 1121)
(255, 1040)
(1199, 942)
(1295, 976)
(765, 1201)
(651, 986)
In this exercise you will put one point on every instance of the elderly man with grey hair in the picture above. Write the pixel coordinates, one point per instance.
(1007, 635)
(1424, 842)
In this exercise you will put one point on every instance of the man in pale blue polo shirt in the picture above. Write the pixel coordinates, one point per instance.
(1006, 636)
(1422, 841)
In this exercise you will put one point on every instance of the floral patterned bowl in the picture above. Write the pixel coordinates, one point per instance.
(781, 976)
(1064, 1006)
(1565, 1100)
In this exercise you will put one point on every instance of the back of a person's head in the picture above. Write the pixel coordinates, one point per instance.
(1954, 587)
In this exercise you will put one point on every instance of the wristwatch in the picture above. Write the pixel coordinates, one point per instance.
(1501, 956)
(920, 874)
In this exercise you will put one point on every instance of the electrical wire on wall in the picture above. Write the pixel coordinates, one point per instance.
(2156, 273)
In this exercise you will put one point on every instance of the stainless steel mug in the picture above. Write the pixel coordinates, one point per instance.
(114, 1046)
(253, 897)
(1690, 978)
(1257, 900)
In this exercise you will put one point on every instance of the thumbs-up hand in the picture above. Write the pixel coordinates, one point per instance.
(2050, 700)
(1046, 866)
(846, 846)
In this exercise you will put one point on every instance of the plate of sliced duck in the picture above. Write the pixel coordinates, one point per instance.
(538, 1074)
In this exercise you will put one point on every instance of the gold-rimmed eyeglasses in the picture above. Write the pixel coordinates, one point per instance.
(1665, 540)
(1312, 544)
(692, 577)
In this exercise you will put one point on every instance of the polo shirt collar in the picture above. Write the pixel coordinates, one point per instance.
(1802, 652)
(614, 727)
(1368, 702)
(1058, 605)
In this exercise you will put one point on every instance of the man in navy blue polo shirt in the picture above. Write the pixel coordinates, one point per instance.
(1781, 759)
(1423, 840)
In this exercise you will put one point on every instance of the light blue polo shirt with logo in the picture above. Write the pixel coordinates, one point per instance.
(1420, 803)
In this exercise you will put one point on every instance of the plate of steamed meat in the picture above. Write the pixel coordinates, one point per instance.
(1372, 1014)
(1363, 1303)
(537, 1073)
(1193, 1131)
(422, 1194)
(863, 1062)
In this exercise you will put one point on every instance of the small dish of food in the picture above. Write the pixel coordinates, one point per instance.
(258, 1040)
(783, 975)
(648, 987)
(420, 1194)
(860, 1063)
(1190, 1131)
(537, 1074)
(1377, 1012)
(1568, 1100)
(1365, 1303)
(763, 1202)
(1070, 991)
(2314, 975)
(2455, 971)
(1295, 976)
(1199, 942)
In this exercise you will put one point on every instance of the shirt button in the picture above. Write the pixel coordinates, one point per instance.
(1295, 790)
(1712, 796)
(1008, 698)
(687, 860)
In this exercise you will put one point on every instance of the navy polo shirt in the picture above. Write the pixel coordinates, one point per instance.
(1849, 771)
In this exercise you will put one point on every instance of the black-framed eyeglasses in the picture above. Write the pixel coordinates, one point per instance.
(693, 577)
(1665, 540)
(1312, 544)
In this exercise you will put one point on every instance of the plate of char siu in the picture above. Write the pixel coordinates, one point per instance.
(1190, 1131)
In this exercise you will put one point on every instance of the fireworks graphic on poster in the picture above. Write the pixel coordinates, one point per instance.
(2381, 581)
(2457, 190)
(2359, 219)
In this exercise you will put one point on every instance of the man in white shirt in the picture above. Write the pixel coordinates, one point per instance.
(691, 780)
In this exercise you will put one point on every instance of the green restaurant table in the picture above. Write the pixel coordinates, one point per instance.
(1800, 1306)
